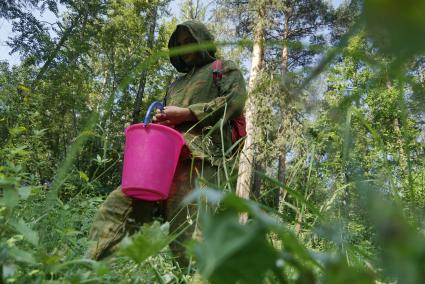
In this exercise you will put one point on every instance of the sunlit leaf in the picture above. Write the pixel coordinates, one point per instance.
(83, 176)
(17, 130)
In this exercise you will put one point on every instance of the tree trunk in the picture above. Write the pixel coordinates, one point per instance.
(281, 171)
(256, 189)
(400, 144)
(403, 162)
(144, 75)
(245, 174)
(399, 138)
(285, 54)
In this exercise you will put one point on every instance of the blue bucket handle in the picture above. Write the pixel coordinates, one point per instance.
(153, 105)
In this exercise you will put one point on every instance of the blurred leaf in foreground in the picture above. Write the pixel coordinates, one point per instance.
(398, 27)
(401, 241)
(151, 239)
(231, 252)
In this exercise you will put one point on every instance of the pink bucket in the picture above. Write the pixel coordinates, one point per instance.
(151, 155)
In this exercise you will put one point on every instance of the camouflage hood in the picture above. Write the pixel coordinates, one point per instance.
(201, 34)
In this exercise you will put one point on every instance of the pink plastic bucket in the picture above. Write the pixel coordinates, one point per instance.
(151, 155)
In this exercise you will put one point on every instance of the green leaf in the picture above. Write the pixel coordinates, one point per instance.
(339, 272)
(402, 34)
(10, 198)
(83, 176)
(17, 130)
(19, 151)
(23, 88)
(101, 268)
(151, 239)
(7, 181)
(21, 255)
(231, 252)
(40, 132)
(23, 228)
(234, 204)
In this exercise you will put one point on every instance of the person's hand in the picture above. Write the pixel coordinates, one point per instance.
(172, 116)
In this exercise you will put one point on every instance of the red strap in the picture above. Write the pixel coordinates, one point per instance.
(238, 124)
(238, 128)
(217, 67)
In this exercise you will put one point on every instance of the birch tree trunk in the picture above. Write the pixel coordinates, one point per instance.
(246, 162)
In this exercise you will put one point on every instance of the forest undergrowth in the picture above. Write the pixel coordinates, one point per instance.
(338, 191)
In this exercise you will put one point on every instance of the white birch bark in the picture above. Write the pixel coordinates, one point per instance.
(245, 175)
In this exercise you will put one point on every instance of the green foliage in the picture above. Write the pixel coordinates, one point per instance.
(396, 27)
(349, 209)
(149, 241)
(229, 248)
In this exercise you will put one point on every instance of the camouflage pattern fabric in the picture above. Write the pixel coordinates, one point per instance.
(213, 106)
(120, 215)
(114, 219)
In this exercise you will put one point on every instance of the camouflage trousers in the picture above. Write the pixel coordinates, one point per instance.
(120, 215)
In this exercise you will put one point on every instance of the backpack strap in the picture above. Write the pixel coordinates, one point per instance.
(217, 67)
(238, 124)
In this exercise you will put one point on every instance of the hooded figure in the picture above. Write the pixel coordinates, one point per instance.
(200, 34)
(213, 103)
(201, 109)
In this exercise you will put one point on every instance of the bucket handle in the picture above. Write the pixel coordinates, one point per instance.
(153, 105)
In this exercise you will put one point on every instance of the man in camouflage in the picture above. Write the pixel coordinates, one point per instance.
(201, 109)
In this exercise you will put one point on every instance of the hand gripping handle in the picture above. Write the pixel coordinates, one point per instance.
(153, 105)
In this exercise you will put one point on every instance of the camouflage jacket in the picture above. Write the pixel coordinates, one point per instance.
(213, 103)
